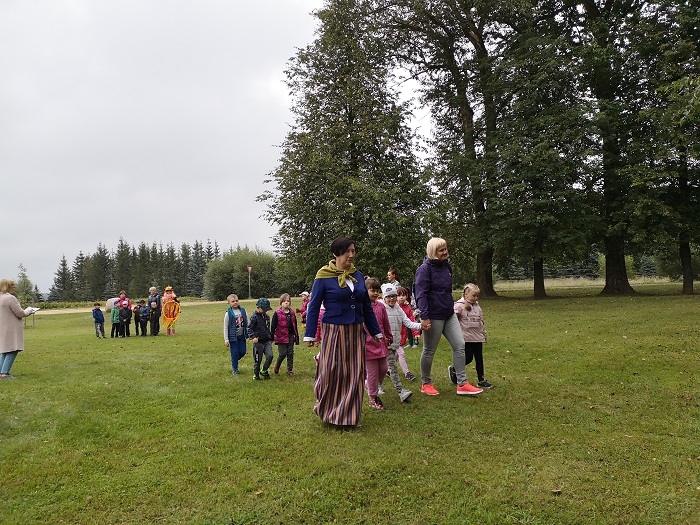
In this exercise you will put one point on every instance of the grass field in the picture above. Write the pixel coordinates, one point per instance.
(595, 419)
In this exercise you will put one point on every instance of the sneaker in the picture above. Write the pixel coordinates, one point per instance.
(410, 376)
(276, 370)
(414, 346)
(468, 390)
(452, 374)
(290, 372)
(265, 374)
(484, 384)
(376, 403)
(429, 389)
(381, 391)
(235, 372)
(404, 395)
(256, 377)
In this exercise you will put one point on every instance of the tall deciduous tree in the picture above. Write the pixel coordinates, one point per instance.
(347, 165)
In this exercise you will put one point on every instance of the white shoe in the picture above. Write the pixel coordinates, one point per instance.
(404, 395)
(381, 391)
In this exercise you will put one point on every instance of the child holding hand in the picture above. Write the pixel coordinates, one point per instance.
(376, 351)
(471, 320)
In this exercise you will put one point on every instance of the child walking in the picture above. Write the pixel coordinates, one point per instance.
(99, 319)
(376, 351)
(471, 320)
(235, 330)
(407, 335)
(397, 320)
(285, 334)
(259, 333)
(115, 319)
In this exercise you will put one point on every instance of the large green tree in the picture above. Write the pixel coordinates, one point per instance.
(347, 165)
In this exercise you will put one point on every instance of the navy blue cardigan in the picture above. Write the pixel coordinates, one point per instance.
(343, 305)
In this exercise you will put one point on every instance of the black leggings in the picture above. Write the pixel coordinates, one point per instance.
(474, 351)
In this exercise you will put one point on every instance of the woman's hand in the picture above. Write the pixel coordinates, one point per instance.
(425, 324)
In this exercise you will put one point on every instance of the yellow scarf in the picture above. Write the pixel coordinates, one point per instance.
(331, 270)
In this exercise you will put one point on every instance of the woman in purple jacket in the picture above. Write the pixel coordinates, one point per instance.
(433, 285)
(340, 380)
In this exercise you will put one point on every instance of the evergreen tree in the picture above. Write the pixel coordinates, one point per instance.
(122, 266)
(62, 289)
(185, 265)
(80, 277)
(99, 275)
(194, 286)
(171, 270)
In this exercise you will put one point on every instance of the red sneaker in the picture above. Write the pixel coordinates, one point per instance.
(430, 390)
(467, 390)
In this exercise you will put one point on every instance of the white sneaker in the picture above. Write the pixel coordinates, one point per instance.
(404, 395)
(381, 391)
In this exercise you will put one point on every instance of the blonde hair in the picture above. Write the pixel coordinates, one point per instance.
(433, 246)
(471, 287)
(285, 297)
(231, 297)
(6, 285)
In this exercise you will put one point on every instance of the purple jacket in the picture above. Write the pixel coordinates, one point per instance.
(433, 287)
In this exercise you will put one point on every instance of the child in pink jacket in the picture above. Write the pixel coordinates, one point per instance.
(376, 351)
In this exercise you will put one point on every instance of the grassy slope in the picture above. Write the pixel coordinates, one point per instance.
(594, 419)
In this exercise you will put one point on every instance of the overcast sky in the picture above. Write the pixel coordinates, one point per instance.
(150, 120)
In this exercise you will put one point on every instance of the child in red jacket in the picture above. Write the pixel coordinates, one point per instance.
(285, 334)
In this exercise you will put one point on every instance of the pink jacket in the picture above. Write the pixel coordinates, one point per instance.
(379, 349)
(471, 321)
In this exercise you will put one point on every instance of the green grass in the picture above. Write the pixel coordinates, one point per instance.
(594, 420)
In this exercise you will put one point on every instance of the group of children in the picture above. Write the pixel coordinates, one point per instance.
(395, 317)
(143, 314)
(263, 332)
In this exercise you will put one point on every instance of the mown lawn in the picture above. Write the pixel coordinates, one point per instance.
(595, 419)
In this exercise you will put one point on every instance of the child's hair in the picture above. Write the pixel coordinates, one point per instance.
(231, 297)
(471, 287)
(97, 304)
(401, 290)
(285, 297)
(372, 284)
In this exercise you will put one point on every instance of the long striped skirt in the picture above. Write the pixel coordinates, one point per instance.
(339, 384)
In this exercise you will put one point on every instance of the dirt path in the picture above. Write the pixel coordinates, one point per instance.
(55, 311)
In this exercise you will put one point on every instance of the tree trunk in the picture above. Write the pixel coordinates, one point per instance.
(686, 264)
(484, 272)
(616, 282)
(538, 275)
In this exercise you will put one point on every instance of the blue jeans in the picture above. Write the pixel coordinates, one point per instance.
(238, 349)
(6, 360)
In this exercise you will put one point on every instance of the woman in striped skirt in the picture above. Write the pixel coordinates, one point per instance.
(339, 384)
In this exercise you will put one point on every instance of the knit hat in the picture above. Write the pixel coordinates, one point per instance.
(388, 289)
